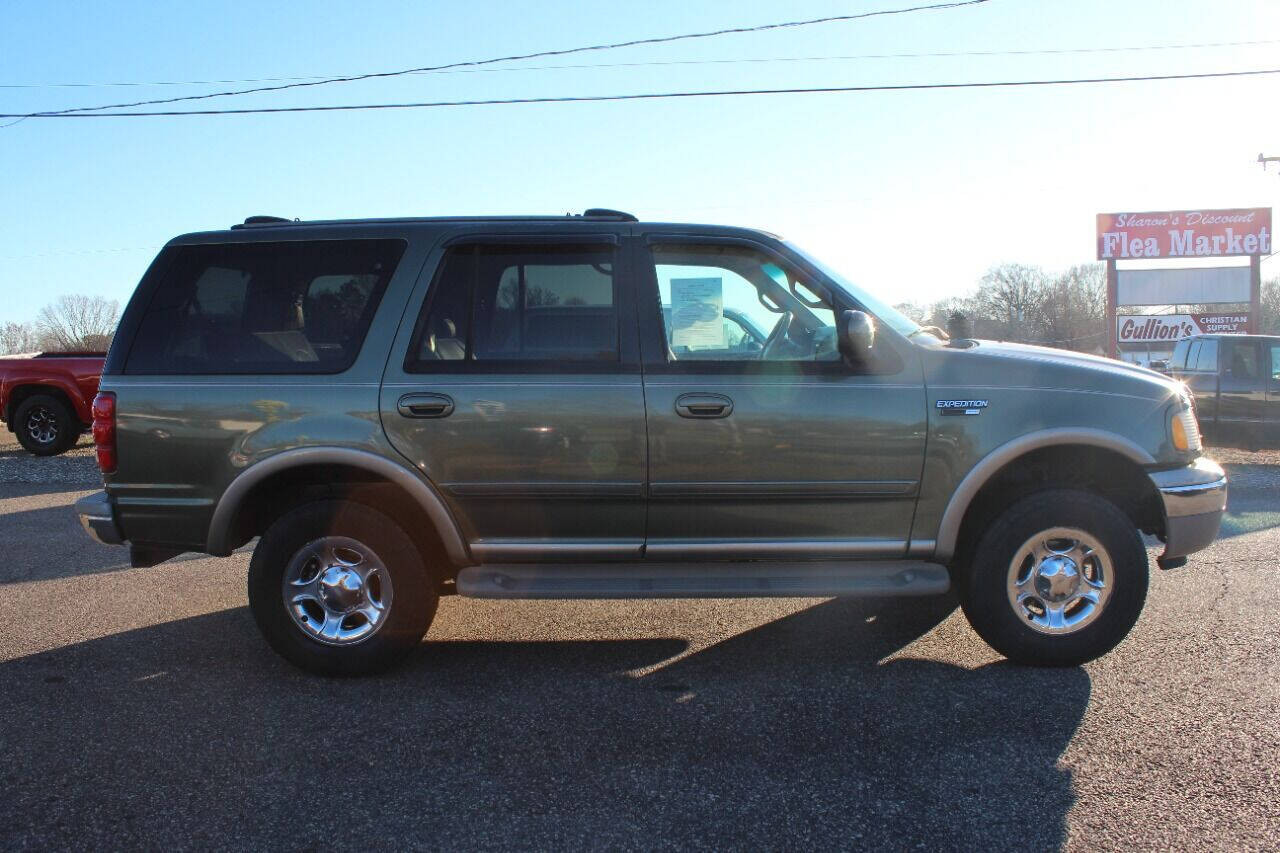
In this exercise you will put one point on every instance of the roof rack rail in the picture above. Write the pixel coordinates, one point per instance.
(263, 220)
(607, 213)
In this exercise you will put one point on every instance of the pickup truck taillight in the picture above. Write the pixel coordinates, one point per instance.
(104, 430)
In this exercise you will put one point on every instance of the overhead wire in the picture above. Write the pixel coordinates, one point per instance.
(649, 96)
(675, 62)
(955, 4)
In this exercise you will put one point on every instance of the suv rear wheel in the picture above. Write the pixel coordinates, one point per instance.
(337, 588)
(1059, 579)
(45, 425)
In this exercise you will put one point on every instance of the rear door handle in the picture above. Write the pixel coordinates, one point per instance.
(703, 406)
(425, 405)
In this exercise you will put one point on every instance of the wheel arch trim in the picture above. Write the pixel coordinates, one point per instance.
(417, 487)
(997, 459)
(31, 386)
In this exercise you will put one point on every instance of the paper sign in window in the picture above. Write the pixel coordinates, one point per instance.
(697, 313)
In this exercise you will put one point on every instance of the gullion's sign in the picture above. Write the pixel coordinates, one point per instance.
(1170, 328)
(1185, 234)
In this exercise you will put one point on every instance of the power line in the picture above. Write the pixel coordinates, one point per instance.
(676, 62)
(649, 96)
(542, 53)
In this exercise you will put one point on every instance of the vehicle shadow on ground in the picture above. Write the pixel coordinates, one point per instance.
(10, 490)
(49, 543)
(81, 463)
(792, 734)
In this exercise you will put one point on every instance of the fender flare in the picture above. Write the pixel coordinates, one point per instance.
(416, 486)
(986, 468)
(50, 383)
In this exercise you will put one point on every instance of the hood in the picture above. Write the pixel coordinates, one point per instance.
(1047, 367)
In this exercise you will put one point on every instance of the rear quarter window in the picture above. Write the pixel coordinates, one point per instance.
(287, 307)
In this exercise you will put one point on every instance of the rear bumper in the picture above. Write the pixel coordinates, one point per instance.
(98, 518)
(1194, 498)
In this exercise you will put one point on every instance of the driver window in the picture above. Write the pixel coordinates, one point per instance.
(728, 303)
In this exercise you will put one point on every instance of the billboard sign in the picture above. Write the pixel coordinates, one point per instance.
(1187, 286)
(1171, 328)
(1185, 234)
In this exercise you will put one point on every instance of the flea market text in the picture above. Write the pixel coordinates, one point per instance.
(1185, 233)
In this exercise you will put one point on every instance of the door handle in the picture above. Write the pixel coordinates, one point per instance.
(703, 406)
(425, 405)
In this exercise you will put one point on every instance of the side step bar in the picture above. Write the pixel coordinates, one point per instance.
(704, 580)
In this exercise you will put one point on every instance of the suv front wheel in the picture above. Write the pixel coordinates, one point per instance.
(338, 588)
(1058, 579)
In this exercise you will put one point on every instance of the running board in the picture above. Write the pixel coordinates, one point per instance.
(704, 580)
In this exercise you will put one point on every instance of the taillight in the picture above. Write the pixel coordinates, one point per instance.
(104, 430)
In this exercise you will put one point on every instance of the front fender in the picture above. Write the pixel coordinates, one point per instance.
(989, 465)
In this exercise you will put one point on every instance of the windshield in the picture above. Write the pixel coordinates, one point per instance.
(888, 315)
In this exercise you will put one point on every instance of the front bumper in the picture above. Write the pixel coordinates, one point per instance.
(98, 518)
(1194, 498)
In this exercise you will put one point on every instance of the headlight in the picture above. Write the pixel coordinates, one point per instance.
(1185, 429)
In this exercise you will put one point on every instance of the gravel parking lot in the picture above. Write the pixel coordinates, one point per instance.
(141, 709)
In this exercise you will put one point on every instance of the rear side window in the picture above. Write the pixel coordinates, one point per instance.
(1208, 357)
(1178, 361)
(1243, 359)
(503, 303)
(293, 307)
(1193, 354)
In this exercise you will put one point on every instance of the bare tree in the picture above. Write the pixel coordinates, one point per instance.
(1269, 322)
(78, 322)
(18, 337)
(1009, 298)
(914, 310)
(1072, 312)
(1023, 303)
(941, 312)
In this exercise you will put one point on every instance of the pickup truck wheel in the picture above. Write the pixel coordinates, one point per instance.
(45, 425)
(337, 588)
(1059, 579)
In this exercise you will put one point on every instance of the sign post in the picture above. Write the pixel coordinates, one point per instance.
(1113, 287)
(1255, 294)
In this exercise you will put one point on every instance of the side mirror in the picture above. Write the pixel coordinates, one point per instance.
(857, 334)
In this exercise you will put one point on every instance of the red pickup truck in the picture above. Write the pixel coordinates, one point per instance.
(45, 399)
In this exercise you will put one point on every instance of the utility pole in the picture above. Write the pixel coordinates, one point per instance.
(1255, 273)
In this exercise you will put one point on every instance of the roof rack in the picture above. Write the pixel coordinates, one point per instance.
(599, 214)
(262, 220)
(607, 213)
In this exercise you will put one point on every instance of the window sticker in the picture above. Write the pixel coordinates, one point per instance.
(697, 313)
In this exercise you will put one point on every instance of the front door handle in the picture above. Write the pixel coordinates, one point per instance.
(425, 405)
(703, 406)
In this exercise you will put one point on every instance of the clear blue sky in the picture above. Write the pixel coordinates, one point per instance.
(913, 194)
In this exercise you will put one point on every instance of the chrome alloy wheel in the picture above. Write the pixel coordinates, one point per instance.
(337, 591)
(1060, 580)
(42, 425)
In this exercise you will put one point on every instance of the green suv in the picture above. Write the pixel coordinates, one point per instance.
(594, 407)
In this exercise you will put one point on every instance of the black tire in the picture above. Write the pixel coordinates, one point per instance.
(409, 611)
(36, 416)
(984, 592)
